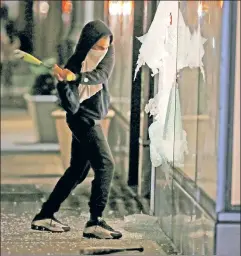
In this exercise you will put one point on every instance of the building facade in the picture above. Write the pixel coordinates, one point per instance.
(198, 200)
(196, 193)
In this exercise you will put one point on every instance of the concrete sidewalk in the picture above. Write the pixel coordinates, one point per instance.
(18, 239)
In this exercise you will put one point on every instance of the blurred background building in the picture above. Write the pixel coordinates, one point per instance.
(200, 211)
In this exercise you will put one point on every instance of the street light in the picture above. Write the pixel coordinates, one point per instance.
(127, 8)
(120, 8)
(41, 9)
(67, 6)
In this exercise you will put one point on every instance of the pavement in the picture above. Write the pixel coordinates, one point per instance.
(18, 239)
(28, 176)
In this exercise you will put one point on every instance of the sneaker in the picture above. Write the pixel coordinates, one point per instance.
(50, 224)
(101, 230)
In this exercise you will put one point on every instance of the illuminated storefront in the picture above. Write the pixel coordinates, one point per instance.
(196, 173)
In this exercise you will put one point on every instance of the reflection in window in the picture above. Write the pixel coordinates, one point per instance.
(236, 125)
(199, 96)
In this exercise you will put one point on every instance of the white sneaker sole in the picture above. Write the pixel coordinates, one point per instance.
(98, 232)
(49, 226)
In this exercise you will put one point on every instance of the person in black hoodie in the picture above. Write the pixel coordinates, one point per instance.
(86, 101)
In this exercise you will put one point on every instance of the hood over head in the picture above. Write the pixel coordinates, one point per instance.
(90, 35)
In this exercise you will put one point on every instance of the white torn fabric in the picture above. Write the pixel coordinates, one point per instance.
(141, 38)
(166, 50)
(93, 58)
(152, 106)
(168, 139)
(163, 39)
(152, 51)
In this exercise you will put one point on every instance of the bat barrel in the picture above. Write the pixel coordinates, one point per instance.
(108, 250)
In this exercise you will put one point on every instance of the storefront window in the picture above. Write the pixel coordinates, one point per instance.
(199, 90)
(182, 46)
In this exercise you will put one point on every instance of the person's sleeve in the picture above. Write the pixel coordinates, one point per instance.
(68, 99)
(67, 91)
(102, 72)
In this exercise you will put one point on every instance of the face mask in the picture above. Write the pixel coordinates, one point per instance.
(96, 56)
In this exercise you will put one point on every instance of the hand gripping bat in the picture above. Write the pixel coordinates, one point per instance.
(108, 250)
(18, 54)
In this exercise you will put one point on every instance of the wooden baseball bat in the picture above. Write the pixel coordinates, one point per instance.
(108, 250)
(18, 54)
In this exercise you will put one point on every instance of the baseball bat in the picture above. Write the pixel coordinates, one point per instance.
(33, 60)
(108, 250)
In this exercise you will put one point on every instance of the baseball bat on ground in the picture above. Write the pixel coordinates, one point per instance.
(18, 54)
(108, 250)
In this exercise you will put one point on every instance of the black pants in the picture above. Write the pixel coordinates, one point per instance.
(89, 148)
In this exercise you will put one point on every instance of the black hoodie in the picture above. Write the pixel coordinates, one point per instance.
(97, 106)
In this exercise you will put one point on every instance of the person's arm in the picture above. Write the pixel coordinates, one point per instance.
(69, 100)
(67, 91)
(97, 76)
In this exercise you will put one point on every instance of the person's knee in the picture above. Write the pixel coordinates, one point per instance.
(109, 165)
(105, 167)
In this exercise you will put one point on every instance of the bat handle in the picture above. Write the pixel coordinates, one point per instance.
(139, 249)
(71, 77)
